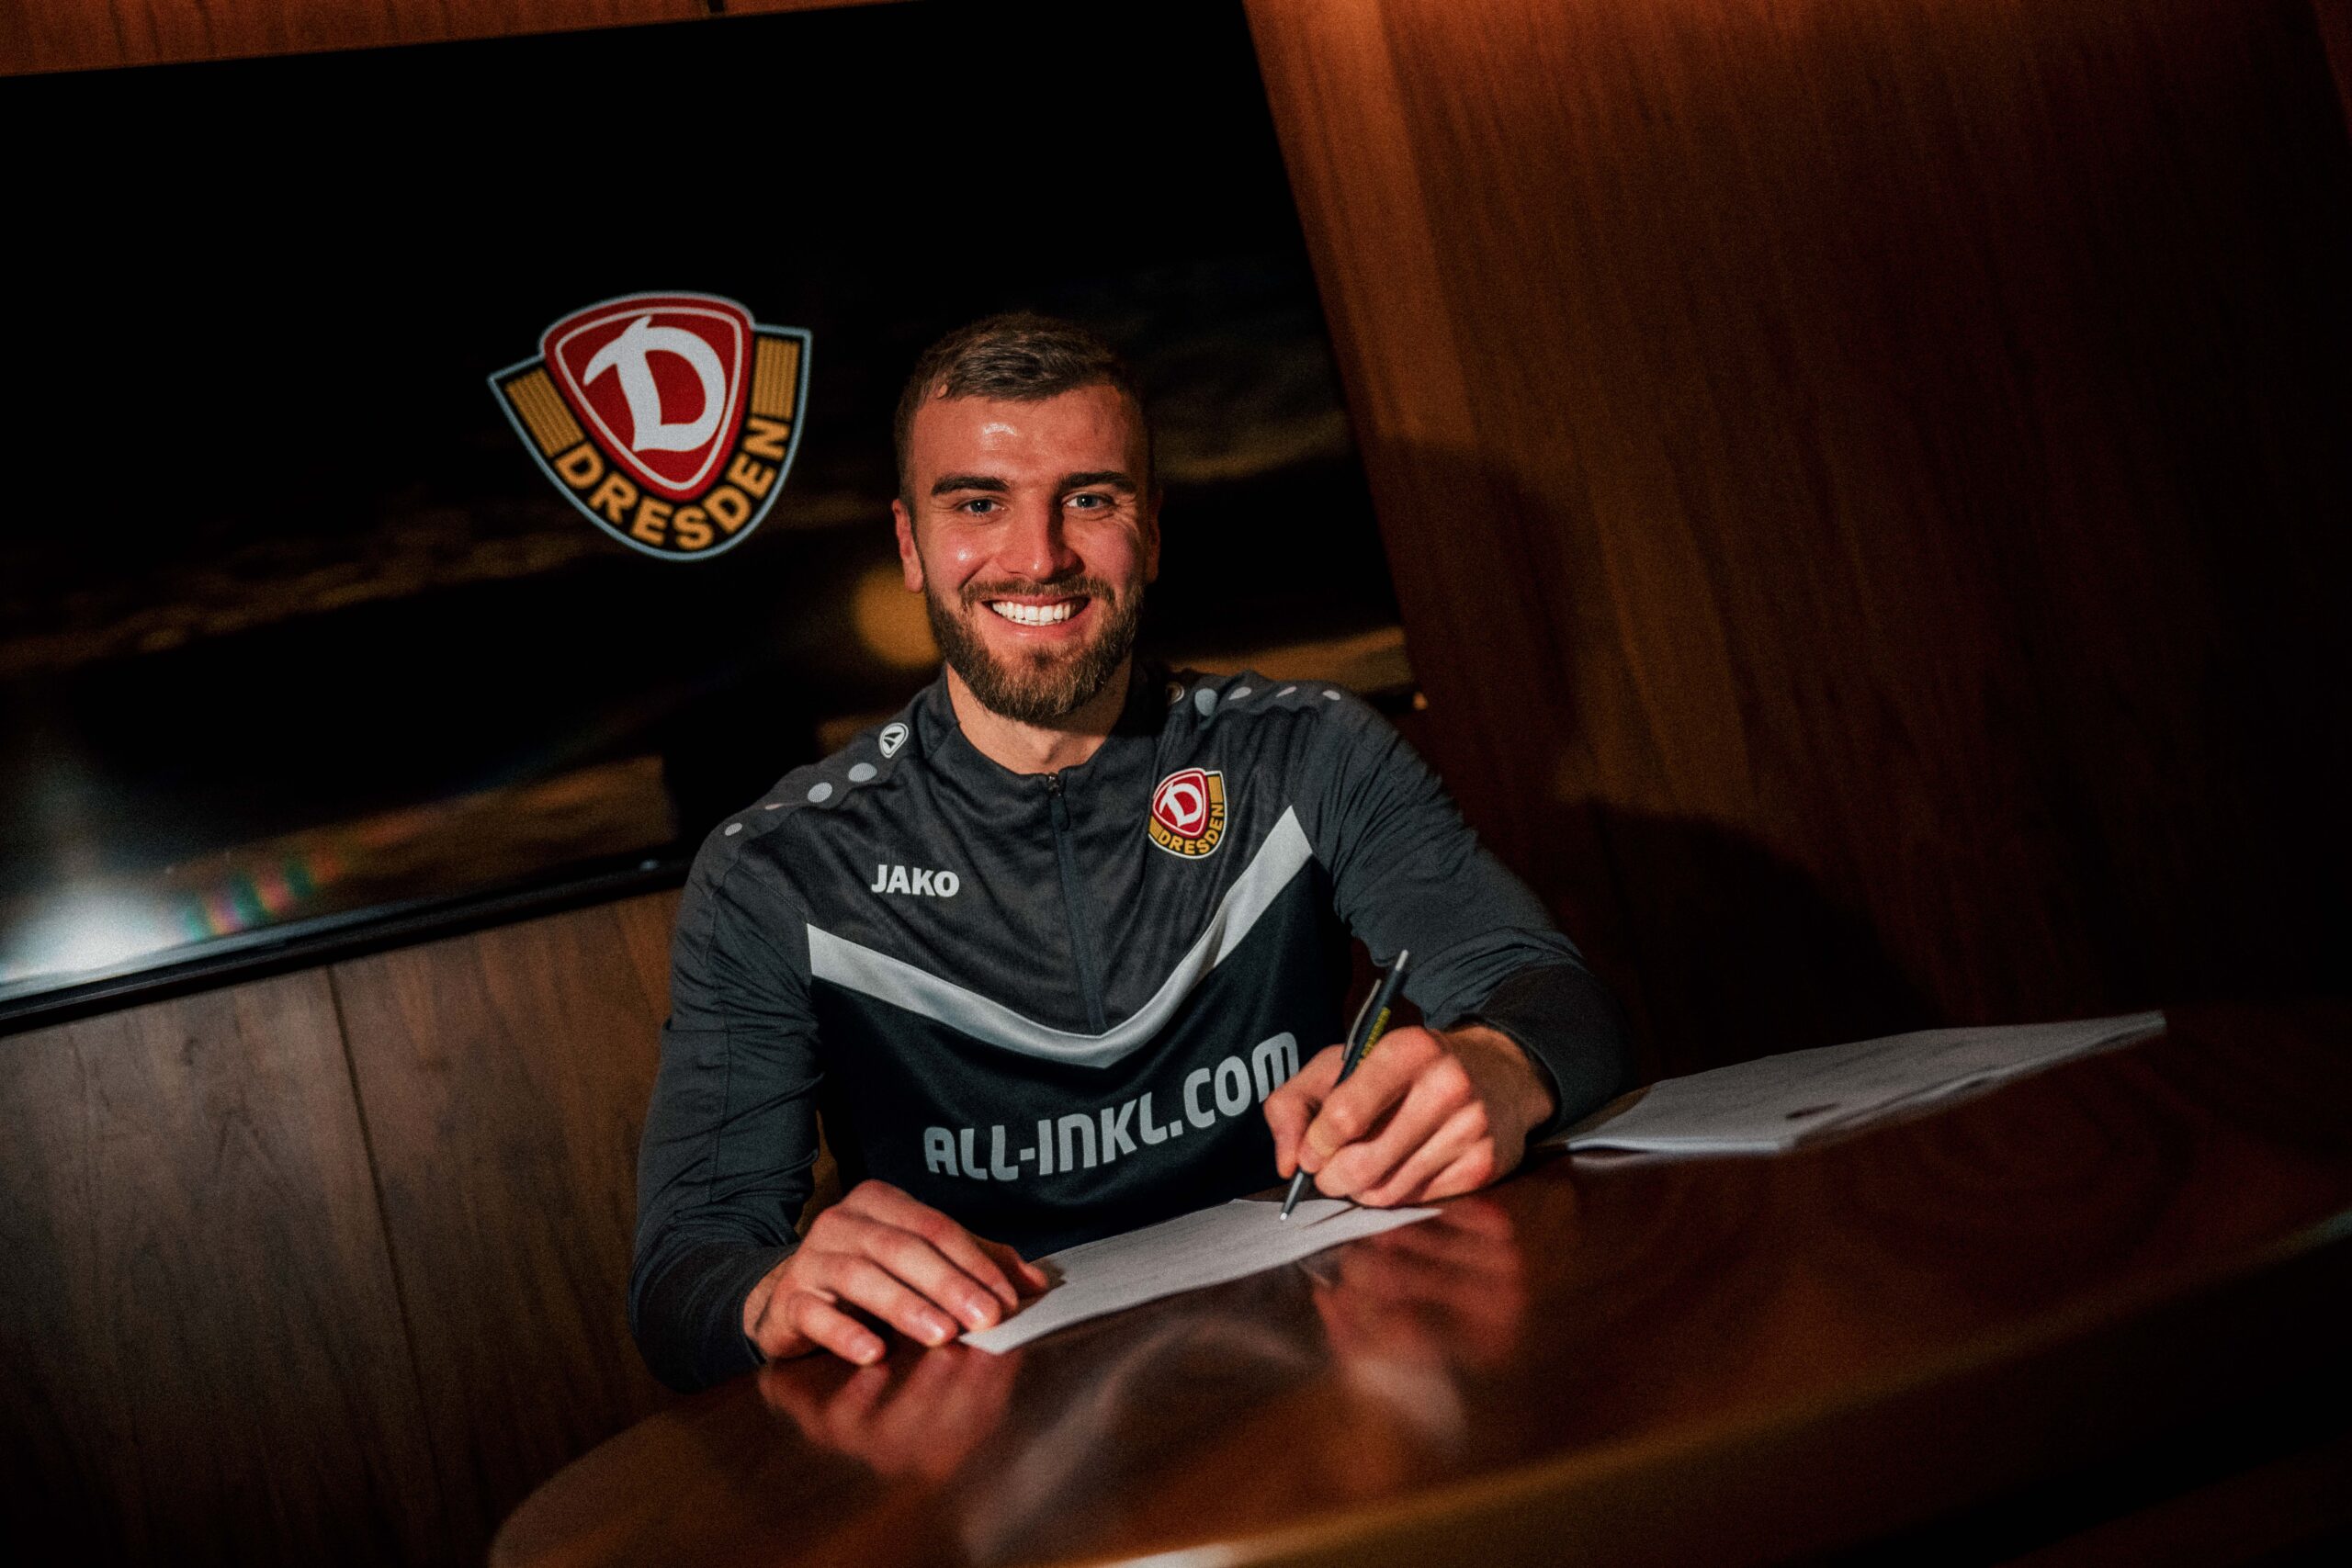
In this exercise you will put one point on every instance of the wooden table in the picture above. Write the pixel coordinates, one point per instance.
(2103, 1306)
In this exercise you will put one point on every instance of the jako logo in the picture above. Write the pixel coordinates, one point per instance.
(930, 883)
(669, 419)
(893, 736)
(1188, 813)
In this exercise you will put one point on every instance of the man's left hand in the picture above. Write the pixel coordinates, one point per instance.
(1426, 1114)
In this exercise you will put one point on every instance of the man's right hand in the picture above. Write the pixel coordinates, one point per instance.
(904, 1262)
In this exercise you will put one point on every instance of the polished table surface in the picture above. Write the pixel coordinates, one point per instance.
(1609, 1358)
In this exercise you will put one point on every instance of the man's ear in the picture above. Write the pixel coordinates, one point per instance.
(909, 561)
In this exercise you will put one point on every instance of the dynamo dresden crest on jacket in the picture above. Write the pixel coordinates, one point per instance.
(1188, 813)
(670, 420)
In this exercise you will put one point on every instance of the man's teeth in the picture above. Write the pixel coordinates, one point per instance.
(1034, 614)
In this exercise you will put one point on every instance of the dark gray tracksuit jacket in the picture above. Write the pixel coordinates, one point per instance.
(1050, 1004)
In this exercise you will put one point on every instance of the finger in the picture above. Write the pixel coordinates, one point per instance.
(862, 1281)
(1461, 1159)
(820, 1322)
(1465, 1127)
(772, 1331)
(1293, 1104)
(919, 1264)
(1027, 1278)
(1353, 1108)
(956, 1248)
(1425, 1129)
(1466, 1174)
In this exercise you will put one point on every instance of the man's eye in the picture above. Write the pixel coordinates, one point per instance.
(978, 506)
(1088, 501)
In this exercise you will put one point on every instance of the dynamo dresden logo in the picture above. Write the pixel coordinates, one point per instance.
(1188, 813)
(670, 420)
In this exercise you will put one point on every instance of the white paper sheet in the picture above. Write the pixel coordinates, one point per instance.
(1776, 1102)
(1204, 1249)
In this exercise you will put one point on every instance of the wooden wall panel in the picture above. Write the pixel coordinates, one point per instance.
(73, 35)
(1863, 480)
(503, 1077)
(81, 35)
(199, 1334)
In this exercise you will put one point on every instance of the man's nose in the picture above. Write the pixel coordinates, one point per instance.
(1036, 547)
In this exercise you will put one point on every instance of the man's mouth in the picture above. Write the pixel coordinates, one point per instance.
(1028, 612)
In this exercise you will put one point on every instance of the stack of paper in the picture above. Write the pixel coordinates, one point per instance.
(1776, 1102)
(1190, 1250)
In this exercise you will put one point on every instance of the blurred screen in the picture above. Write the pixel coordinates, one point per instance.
(297, 630)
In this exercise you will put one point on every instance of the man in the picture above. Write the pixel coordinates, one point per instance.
(1045, 949)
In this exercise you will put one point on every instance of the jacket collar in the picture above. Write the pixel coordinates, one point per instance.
(1143, 717)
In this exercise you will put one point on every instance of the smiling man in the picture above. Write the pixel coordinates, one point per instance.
(1047, 949)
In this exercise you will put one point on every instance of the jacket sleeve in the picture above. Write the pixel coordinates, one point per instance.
(1408, 873)
(731, 1133)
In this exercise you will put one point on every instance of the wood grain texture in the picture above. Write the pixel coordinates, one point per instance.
(82, 35)
(1824, 1346)
(1862, 480)
(198, 1327)
(503, 1077)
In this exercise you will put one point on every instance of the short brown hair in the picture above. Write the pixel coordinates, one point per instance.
(1020, 356)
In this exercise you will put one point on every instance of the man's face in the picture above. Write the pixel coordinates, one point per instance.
(1031, 537)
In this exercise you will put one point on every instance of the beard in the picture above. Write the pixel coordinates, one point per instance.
(1045, 686)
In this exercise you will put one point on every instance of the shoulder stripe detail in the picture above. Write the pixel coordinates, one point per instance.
(855, 967)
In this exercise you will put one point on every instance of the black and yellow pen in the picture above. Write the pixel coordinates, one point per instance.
(1371, 1024)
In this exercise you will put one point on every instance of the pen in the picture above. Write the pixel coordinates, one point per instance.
(1371, 1024)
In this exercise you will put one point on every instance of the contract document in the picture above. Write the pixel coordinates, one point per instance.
(1777, 1103)
(1182, 1254)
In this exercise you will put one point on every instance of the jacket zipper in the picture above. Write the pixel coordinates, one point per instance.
(1081, 951)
